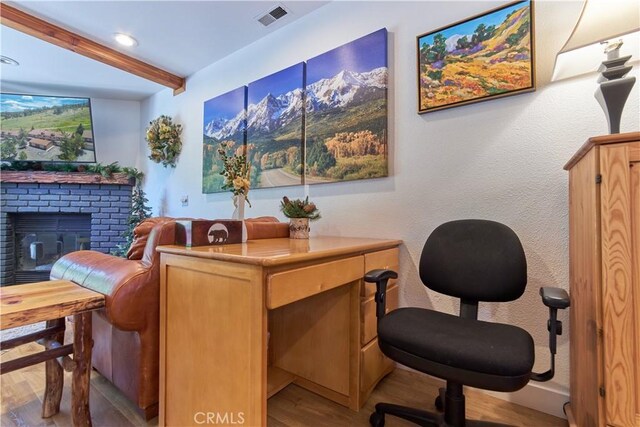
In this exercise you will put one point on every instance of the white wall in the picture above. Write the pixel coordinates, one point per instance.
(499, 160)
(117, 126)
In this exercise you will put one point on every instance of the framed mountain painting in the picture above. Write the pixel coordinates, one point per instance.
(224, 121)
(484, 57)
(346, 112)
(274, 128)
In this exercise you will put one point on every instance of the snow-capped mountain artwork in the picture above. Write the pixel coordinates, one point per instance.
(274, 112)
(221, 128)
(319, 121)
(224, 114)
(341, 89)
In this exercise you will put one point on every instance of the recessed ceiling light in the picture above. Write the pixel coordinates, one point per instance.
(8, 61)
(125, 40)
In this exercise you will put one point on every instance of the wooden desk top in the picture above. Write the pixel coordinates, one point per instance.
(35, 302)
(271, 252)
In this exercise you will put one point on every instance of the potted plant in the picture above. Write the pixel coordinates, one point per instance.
(299, 212)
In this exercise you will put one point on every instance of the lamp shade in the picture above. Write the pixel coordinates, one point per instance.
(600, 20)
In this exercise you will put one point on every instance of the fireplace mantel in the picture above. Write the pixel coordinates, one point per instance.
(47, 177)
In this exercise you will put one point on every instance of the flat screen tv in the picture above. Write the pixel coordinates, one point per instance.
(46, 129)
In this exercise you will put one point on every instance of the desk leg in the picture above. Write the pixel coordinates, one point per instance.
(82, 344)
(54, 376)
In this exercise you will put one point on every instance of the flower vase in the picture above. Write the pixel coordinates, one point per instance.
(239, 202)
(299, 228)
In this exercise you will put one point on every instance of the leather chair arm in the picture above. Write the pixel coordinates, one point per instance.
(130, 292)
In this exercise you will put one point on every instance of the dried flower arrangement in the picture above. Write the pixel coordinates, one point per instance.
(163, 137)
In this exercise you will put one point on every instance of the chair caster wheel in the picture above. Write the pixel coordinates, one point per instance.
(439, 404)
(376, 420)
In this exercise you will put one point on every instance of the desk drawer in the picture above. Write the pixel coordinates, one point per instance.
(293, 285)
(387, 259)
(368, 313)
(374, 365)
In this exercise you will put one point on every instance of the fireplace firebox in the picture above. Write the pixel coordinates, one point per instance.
(41, 239)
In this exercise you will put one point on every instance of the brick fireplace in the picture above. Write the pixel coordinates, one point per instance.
(64, 199)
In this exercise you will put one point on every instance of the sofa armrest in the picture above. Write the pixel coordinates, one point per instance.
(141, 235)
(266, 227)
(130, 287)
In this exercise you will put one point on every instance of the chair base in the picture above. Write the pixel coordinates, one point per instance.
(450, 399)
(419, 417)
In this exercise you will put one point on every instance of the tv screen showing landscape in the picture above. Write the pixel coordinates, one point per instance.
(46, 129)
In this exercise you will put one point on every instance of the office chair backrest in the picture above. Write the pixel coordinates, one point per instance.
(475, 260)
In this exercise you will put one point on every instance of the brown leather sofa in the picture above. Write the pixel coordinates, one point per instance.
(126, 331)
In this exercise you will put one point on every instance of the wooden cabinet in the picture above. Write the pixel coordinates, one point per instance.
(604, 251)
(238, 323)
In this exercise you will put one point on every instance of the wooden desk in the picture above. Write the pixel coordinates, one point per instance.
(238, 323)
(52, 301)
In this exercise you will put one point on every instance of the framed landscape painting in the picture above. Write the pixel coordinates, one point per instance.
(346, 112)
(275, 127)
(224, 121)
(484, 57)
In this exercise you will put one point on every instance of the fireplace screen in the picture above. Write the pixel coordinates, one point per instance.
(41, 239)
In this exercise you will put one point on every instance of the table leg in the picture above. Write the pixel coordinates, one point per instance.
(82, 344)
(54, 376)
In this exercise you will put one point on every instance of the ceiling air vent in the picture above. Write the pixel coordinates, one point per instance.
(271, 17)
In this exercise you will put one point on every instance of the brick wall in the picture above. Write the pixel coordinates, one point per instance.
(108, 204)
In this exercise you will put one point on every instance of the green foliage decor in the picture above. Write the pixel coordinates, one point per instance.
(139, 212)
(105, 170)
(163, 137)
(235, 170)
(299, 208)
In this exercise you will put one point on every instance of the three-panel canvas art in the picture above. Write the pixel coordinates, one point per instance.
(316, 122)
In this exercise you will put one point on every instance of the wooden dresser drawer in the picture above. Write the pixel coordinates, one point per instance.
(374, 365)
(387, 259)
(293, 285)
(368, 313)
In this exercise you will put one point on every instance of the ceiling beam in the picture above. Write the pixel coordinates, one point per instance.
(39, 28)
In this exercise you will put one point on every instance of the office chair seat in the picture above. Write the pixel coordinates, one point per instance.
(480, 354)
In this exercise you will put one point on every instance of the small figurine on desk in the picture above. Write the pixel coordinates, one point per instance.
(299, 212)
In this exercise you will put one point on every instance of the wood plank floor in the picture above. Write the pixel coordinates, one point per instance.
(22, 391)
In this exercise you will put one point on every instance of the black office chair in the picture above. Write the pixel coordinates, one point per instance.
(474, 260)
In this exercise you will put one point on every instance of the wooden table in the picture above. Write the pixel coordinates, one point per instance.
(52, 301)
(238, 323)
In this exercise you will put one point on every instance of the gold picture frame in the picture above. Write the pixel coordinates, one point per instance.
(486, 56)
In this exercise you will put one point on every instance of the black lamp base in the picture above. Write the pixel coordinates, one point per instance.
(612, 96)
(614, 90)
